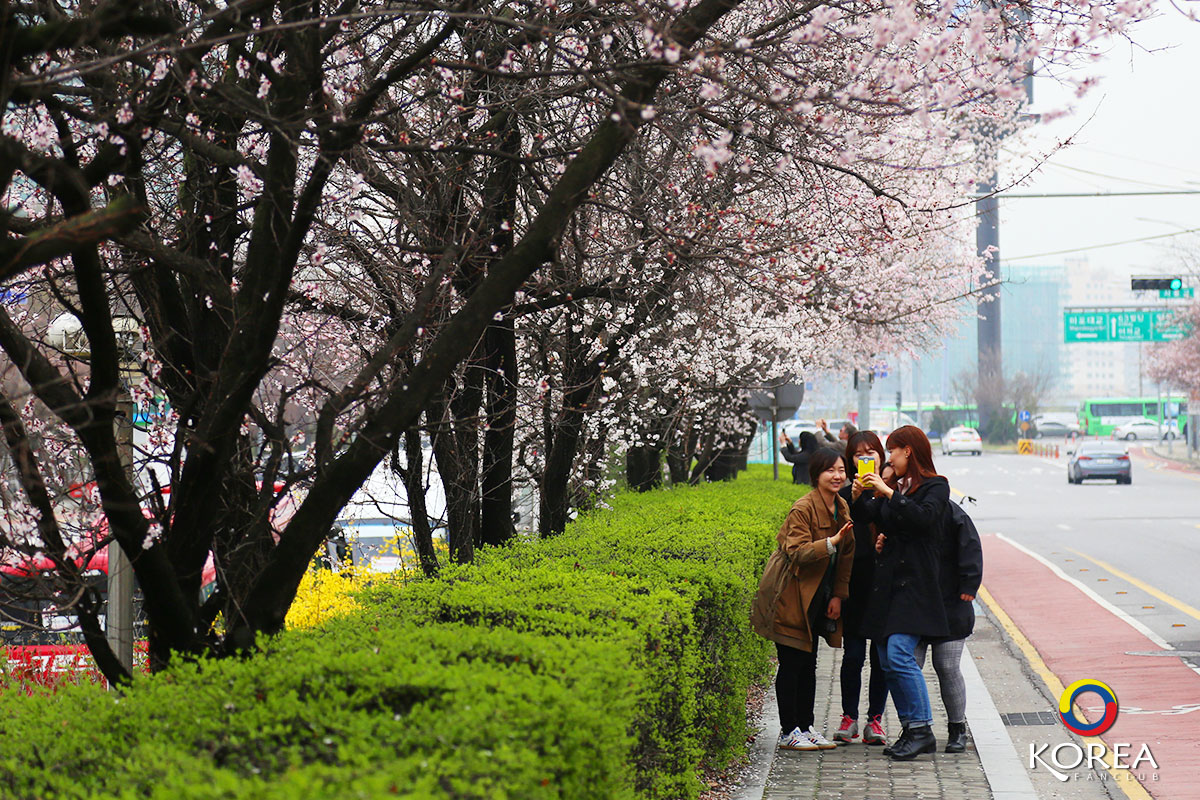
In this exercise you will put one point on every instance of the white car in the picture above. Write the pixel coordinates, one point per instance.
(1144, 429)
(962, 440)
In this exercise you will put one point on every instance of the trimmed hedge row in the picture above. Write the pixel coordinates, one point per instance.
(609, 662)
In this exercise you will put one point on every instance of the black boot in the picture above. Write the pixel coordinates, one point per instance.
(956, 741)
(887, 751)
(920, 740)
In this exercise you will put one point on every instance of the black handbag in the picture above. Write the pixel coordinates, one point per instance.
(818, 622)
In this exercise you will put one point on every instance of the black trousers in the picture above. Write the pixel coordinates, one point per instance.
(854, 654)
(796, 686)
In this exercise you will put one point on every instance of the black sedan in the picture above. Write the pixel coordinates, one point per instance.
(1099, 460)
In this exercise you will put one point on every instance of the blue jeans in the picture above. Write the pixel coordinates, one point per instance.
(905, 681)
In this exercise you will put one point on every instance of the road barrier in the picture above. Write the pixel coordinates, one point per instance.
(1030, 448)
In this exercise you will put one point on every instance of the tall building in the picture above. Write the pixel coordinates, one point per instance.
(1032, 299)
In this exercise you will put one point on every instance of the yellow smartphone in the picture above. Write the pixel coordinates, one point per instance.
(866, 464)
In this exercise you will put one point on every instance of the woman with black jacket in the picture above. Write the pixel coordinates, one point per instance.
(809, 443)
(906, 604)
(855, 644)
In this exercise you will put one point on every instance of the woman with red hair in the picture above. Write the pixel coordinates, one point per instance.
(908, 503)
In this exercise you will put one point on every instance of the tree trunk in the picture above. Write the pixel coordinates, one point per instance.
(458, 467)
(643, 468)
(414, 489)
(496, 526)
(555, 498)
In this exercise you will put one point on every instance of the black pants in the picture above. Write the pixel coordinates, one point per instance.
(796, 687)
(854, 654)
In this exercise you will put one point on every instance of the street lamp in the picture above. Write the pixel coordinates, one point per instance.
(66, 333)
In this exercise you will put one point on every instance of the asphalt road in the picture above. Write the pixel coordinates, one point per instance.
(1136, 546)
(1098, 582)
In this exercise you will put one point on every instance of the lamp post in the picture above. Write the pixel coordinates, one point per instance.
(67, 333)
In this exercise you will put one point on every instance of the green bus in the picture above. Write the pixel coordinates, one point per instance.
(1098, 416)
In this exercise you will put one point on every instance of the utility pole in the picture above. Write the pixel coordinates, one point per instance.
(863, 384)
(119, 615)
(775, 435)
(987, 240)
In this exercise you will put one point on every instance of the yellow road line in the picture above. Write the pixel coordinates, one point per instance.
(1131, 788)
(1145, 587)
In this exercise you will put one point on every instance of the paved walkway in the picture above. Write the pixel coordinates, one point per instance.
(1176, 456)
(861, 772)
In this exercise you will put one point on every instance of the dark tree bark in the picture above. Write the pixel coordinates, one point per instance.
(643, 468)
(414, 486)
(454, 433)
(498, 441)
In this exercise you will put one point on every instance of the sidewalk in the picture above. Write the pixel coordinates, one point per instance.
(989, 769)
(1177, 457)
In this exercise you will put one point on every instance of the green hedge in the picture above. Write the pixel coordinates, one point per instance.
(609, 662)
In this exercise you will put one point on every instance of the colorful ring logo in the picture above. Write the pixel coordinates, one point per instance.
(1080, 726)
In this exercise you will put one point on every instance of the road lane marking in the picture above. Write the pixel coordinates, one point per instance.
(1191, 611)
(1063, 526)
(1132, 789)
(1138, 626)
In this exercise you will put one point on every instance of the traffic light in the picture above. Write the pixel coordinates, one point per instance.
(1150, 283)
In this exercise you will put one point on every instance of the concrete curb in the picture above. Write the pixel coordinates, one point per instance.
(762, 753)
(1002, 764)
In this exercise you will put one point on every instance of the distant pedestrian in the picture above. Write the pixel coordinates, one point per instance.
(799, 458)
(800, 596)
(855, 644)
(847, 431)
(908, 503)
(961, 574)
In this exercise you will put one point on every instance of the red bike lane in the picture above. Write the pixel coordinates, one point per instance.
(1077, 638)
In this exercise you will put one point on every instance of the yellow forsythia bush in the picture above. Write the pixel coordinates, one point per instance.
(325, 594)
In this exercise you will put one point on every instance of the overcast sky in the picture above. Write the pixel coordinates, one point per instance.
(1139, 130)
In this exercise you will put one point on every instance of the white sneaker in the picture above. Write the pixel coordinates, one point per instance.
(818, 739)
(796, 740)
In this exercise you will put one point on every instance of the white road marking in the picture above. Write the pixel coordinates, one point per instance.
(1063, 526)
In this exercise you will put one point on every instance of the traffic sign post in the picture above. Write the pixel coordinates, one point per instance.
(1121, 325)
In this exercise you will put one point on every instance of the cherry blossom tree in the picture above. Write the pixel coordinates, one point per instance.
(1177, 363)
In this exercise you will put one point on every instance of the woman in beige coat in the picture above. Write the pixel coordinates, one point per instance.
(817, 526)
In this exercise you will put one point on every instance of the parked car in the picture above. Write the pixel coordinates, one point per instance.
(792, 427)
(1100, 459)
(962, 440)
(1054, 429)
(1144, 428)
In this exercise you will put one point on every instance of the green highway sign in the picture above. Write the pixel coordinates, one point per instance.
(1171, 294)
(1121, 325)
